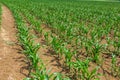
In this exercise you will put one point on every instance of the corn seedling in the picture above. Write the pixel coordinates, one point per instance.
(115, 68)
(83, 71)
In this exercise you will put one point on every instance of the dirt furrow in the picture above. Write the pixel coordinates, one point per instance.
(11, 60)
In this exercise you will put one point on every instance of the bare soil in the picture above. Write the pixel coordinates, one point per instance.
(11, 59)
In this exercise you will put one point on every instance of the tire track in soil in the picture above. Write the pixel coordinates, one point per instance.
(11, 61)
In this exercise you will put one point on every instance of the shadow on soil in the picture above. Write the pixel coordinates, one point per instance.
(25, 64)
(59, 62)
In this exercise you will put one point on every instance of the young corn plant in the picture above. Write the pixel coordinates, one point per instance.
(38, 30)
(46, 37)
(96, 52)
(82, 68)
(68, 57)
(56, 45)
(62, 48)
(69, 34)
(43, 75)
(115, 69)
(40, 75)
(59, 76)
(33, 56)
(76, 43)
(87, 43)
(117, 47)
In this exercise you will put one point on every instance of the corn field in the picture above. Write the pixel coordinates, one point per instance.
(85, 37)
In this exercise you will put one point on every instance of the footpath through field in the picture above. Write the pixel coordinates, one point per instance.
(11, 60)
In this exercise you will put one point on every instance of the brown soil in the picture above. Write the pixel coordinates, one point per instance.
(11, 60)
